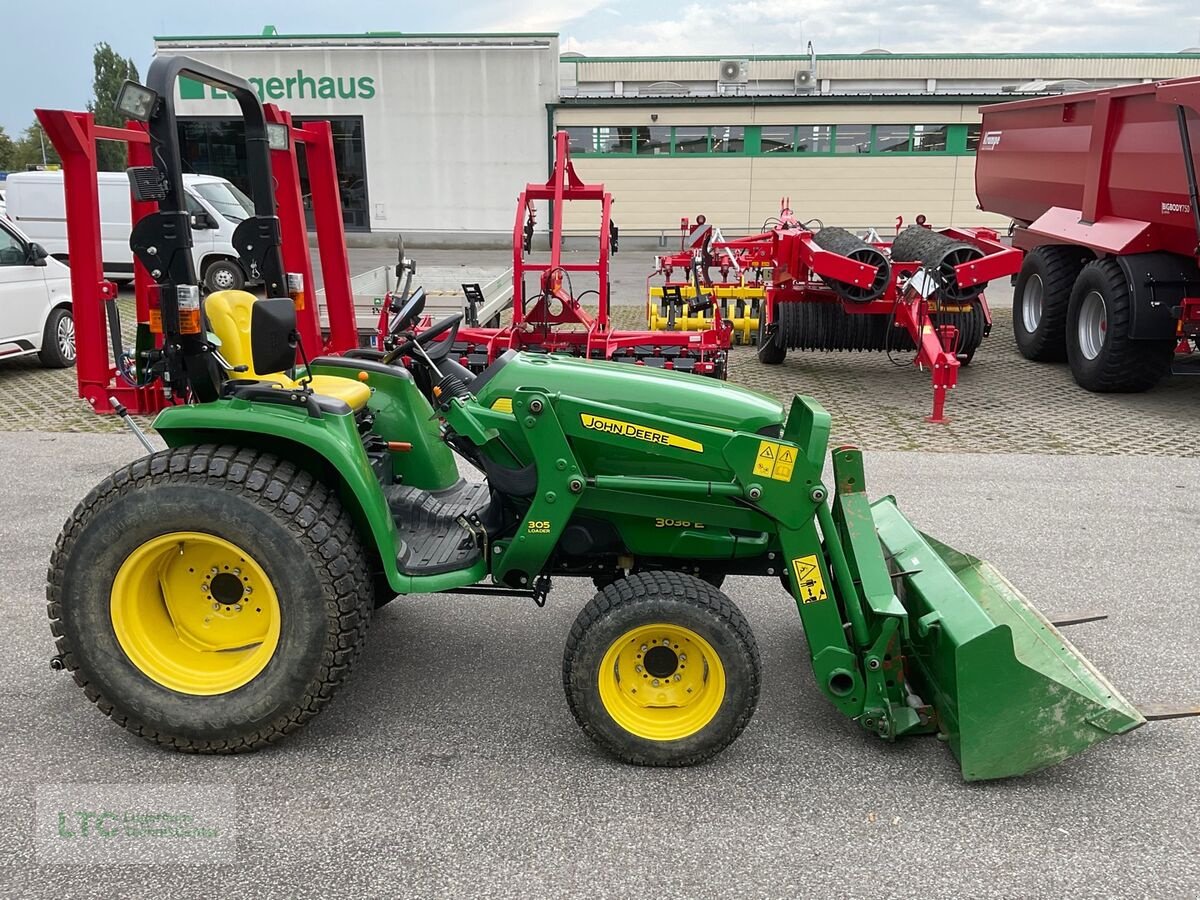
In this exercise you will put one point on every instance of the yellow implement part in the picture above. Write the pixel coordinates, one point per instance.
(662, 682)
(229, 315)
(195, 613)
(745, 326)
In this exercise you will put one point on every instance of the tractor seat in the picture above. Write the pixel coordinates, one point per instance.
(229, 317)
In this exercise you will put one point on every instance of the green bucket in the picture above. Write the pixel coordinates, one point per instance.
(1012, 695)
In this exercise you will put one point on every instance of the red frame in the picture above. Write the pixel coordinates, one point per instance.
(545, 325)
(74, 136)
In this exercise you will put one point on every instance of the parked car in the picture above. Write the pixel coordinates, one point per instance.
(36, 203)
(35, 301)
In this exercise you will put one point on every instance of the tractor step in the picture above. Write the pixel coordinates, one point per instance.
(440, 531)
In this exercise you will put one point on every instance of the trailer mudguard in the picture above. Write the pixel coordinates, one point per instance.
(1158, 282)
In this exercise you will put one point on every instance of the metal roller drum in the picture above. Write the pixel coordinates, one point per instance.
(844, 243)
(827, 326)
(940, 254)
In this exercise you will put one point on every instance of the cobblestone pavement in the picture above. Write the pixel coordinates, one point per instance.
(1004, 403)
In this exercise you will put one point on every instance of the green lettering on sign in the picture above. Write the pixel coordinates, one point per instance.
(300, 86)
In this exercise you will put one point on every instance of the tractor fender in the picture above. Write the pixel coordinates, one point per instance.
(329, 447)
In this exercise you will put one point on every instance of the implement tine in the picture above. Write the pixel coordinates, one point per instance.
(1156, 711)
(1079, 619)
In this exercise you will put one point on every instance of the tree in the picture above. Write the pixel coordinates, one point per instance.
(112, 70)
(7, 151)
(28, 151)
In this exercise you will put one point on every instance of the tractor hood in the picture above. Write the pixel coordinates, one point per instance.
(701, 400)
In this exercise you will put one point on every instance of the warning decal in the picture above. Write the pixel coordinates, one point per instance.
(808, 578)
(775, 460)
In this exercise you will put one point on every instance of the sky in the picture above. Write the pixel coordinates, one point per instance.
(46, 50)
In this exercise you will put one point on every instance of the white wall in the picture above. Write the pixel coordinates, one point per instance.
(452, 132)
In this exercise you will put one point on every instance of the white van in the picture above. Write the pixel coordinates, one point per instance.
(35, 301)
(35, 203)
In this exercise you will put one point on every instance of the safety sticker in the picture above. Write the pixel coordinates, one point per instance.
(639, 432)
(808, 578)
(775, 461)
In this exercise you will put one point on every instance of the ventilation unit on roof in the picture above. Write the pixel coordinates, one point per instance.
(806, 80)
(733, 71)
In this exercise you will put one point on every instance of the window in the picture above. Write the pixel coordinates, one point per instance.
(972, 138)
(618, 138)
(654, 140)
(581, 141)
(728, 139)
(929, 138)
(892, 139)
(691, 139)
(778, 138)
(12, 251)
(227, 200)
(814, 138)
(853, 139)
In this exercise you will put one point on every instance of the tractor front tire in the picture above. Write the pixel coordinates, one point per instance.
(211, 599)
(1040, 299)
(661, 669)
(1103, 357)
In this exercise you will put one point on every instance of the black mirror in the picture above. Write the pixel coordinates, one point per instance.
(37, 255)
(202, 221)
(273, 335)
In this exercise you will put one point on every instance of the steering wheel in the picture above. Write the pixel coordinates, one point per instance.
(434, 331)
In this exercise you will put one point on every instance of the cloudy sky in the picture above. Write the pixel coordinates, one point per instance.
(45, 54)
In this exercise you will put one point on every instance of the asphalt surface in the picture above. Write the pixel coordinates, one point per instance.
(450, 766)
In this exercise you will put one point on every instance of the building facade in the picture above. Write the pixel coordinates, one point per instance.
(437, 134)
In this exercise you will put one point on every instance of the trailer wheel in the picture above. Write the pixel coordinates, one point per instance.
(224, 275)
(661, 669)
(1103, 357)
(1040, 299)
(210, 599)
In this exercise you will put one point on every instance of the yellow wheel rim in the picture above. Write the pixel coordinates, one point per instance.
(195, 613)
(661, 682)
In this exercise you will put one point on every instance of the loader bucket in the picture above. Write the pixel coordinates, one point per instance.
(1011, 693)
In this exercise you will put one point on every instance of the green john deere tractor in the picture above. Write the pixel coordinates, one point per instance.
(213, 596)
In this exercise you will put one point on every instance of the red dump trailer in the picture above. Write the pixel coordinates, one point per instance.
(1101, 187)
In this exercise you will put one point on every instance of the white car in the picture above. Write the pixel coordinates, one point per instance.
(35, 302)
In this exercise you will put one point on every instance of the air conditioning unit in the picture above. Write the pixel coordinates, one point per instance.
(806, 80)
(733, 71)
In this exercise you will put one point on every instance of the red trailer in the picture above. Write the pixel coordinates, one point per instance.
(1101, 187)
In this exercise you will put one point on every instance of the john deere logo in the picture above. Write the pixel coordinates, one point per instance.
(290, 87)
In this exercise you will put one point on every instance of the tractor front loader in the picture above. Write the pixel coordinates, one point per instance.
(213, 596)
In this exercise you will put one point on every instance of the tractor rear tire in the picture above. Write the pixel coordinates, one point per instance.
(1040, 299)
(1103, 358)
(211, 599)
(661, 669)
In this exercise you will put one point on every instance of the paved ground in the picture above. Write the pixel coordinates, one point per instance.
(450, 766)
(1003, 404)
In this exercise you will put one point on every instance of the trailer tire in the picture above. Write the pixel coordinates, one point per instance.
(1103, 358)
(1040, 300)
(178, 659)
(224, 275)
(703, 652)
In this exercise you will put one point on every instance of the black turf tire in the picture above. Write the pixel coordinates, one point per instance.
(227, 272)
(1123, 365)
(52, 355)
(294, 526)
(650, 597)
(771, 349)
(716, 579)
(1056, 267)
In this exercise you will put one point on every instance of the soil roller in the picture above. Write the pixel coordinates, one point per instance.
(213, 596)
(940, 255)
(851, 246)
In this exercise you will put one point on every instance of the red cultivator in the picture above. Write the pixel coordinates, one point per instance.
(826, 289)
(549, 316)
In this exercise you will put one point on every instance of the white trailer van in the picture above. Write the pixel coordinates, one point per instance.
(35, 202)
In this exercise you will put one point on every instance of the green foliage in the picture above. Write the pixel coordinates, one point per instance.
(112, 70)
(7, 149)
(28, 150)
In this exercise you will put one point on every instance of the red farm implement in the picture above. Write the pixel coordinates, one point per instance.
(824, 288)
(548, 314)
(126, 379)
